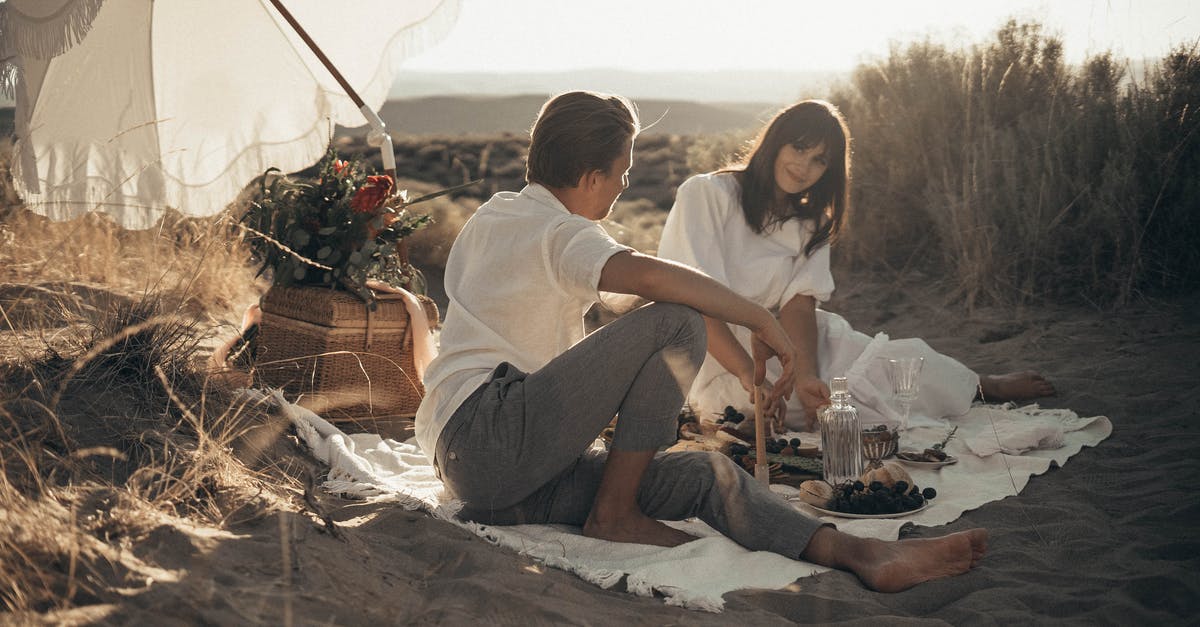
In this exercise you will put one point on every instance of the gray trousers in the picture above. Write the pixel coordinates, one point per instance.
(518, 450)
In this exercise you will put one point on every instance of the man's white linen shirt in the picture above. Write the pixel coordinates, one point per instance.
(519, 278)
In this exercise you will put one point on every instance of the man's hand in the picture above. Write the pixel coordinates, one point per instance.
(774, 407)
(768, 342)
(813, 395)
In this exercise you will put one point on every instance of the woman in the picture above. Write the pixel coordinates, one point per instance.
(518, 394)
(763, 228)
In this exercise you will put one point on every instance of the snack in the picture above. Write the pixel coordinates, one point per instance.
(935, 453)
(816, 492)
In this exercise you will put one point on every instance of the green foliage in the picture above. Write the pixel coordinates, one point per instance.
(1019, 177)
(338, 231)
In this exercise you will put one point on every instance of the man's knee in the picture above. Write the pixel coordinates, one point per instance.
(708, 468)
(683, 320)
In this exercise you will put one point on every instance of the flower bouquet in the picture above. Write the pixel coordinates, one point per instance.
(340, 230)
(325, 334)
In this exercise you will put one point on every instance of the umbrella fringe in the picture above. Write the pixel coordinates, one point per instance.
(8, 79)
(45, 37)
(418, 37)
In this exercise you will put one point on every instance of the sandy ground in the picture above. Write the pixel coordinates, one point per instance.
(1109, 539)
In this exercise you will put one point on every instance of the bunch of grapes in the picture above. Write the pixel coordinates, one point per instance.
(731, 415)
(782, 446)
(876, 498)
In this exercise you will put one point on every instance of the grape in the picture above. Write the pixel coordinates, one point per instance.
(730, 411)
(929, 493)
(901, 487)
(876, 486)
(858, 486)
(737, 418)
(781, 442)
(795, 442)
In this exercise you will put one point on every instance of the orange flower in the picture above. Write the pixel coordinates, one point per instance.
(371, 195)
(339, 165)
(380, 224)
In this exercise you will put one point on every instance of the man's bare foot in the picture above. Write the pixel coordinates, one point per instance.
(895, 566)
(636, 528)
(1015, 386)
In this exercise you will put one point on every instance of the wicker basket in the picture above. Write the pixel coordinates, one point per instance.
(349, 364)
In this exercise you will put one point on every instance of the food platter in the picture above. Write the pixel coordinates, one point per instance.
(829, 512)
(950, 459)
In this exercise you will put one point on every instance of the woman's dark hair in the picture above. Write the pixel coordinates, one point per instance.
(578, 132)
(803, 125)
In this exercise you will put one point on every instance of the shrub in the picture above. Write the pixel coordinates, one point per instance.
(1017, 177)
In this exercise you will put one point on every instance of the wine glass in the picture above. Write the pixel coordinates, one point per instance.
(905, 375)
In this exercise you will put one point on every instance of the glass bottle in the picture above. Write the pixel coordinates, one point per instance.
(841, 437)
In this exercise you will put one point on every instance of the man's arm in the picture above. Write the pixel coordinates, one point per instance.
(666, 281)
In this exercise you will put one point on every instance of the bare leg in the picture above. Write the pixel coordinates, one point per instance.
(615, 513)
(1015, 386)
(900, 565)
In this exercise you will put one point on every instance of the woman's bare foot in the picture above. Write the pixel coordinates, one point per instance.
(900, 565)
(1015, 386)
(635, 527)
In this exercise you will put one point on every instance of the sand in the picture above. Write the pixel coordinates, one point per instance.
(1109, 539)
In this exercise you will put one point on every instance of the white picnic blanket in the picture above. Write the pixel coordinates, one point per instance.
(696, 575)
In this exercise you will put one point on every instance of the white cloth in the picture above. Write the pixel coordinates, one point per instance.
(695, 575)
(495, 313)
(706, 229)
(1040, 431)
(180, 104)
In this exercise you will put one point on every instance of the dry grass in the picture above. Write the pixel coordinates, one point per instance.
(1019, 178)
(109, 422)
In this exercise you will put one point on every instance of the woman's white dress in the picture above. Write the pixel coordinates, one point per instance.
(706, 229)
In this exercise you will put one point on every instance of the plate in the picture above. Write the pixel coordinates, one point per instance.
(829, 512)
(950, 459)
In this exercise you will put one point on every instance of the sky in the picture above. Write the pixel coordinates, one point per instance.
(791, 35)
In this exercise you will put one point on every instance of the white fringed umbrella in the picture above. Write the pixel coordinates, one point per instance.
(131, 107)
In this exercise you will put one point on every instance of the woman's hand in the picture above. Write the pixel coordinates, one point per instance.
(813, 395)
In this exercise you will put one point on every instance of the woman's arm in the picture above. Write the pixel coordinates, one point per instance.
(666, 281)
(732, 356)
(799, 320)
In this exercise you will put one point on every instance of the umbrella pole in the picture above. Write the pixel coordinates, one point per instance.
(385, 147)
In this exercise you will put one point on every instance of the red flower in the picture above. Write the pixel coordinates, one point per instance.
(339, 165)
(371, 195)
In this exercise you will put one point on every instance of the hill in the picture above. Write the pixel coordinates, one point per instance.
(455, 115)
(772, 86)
